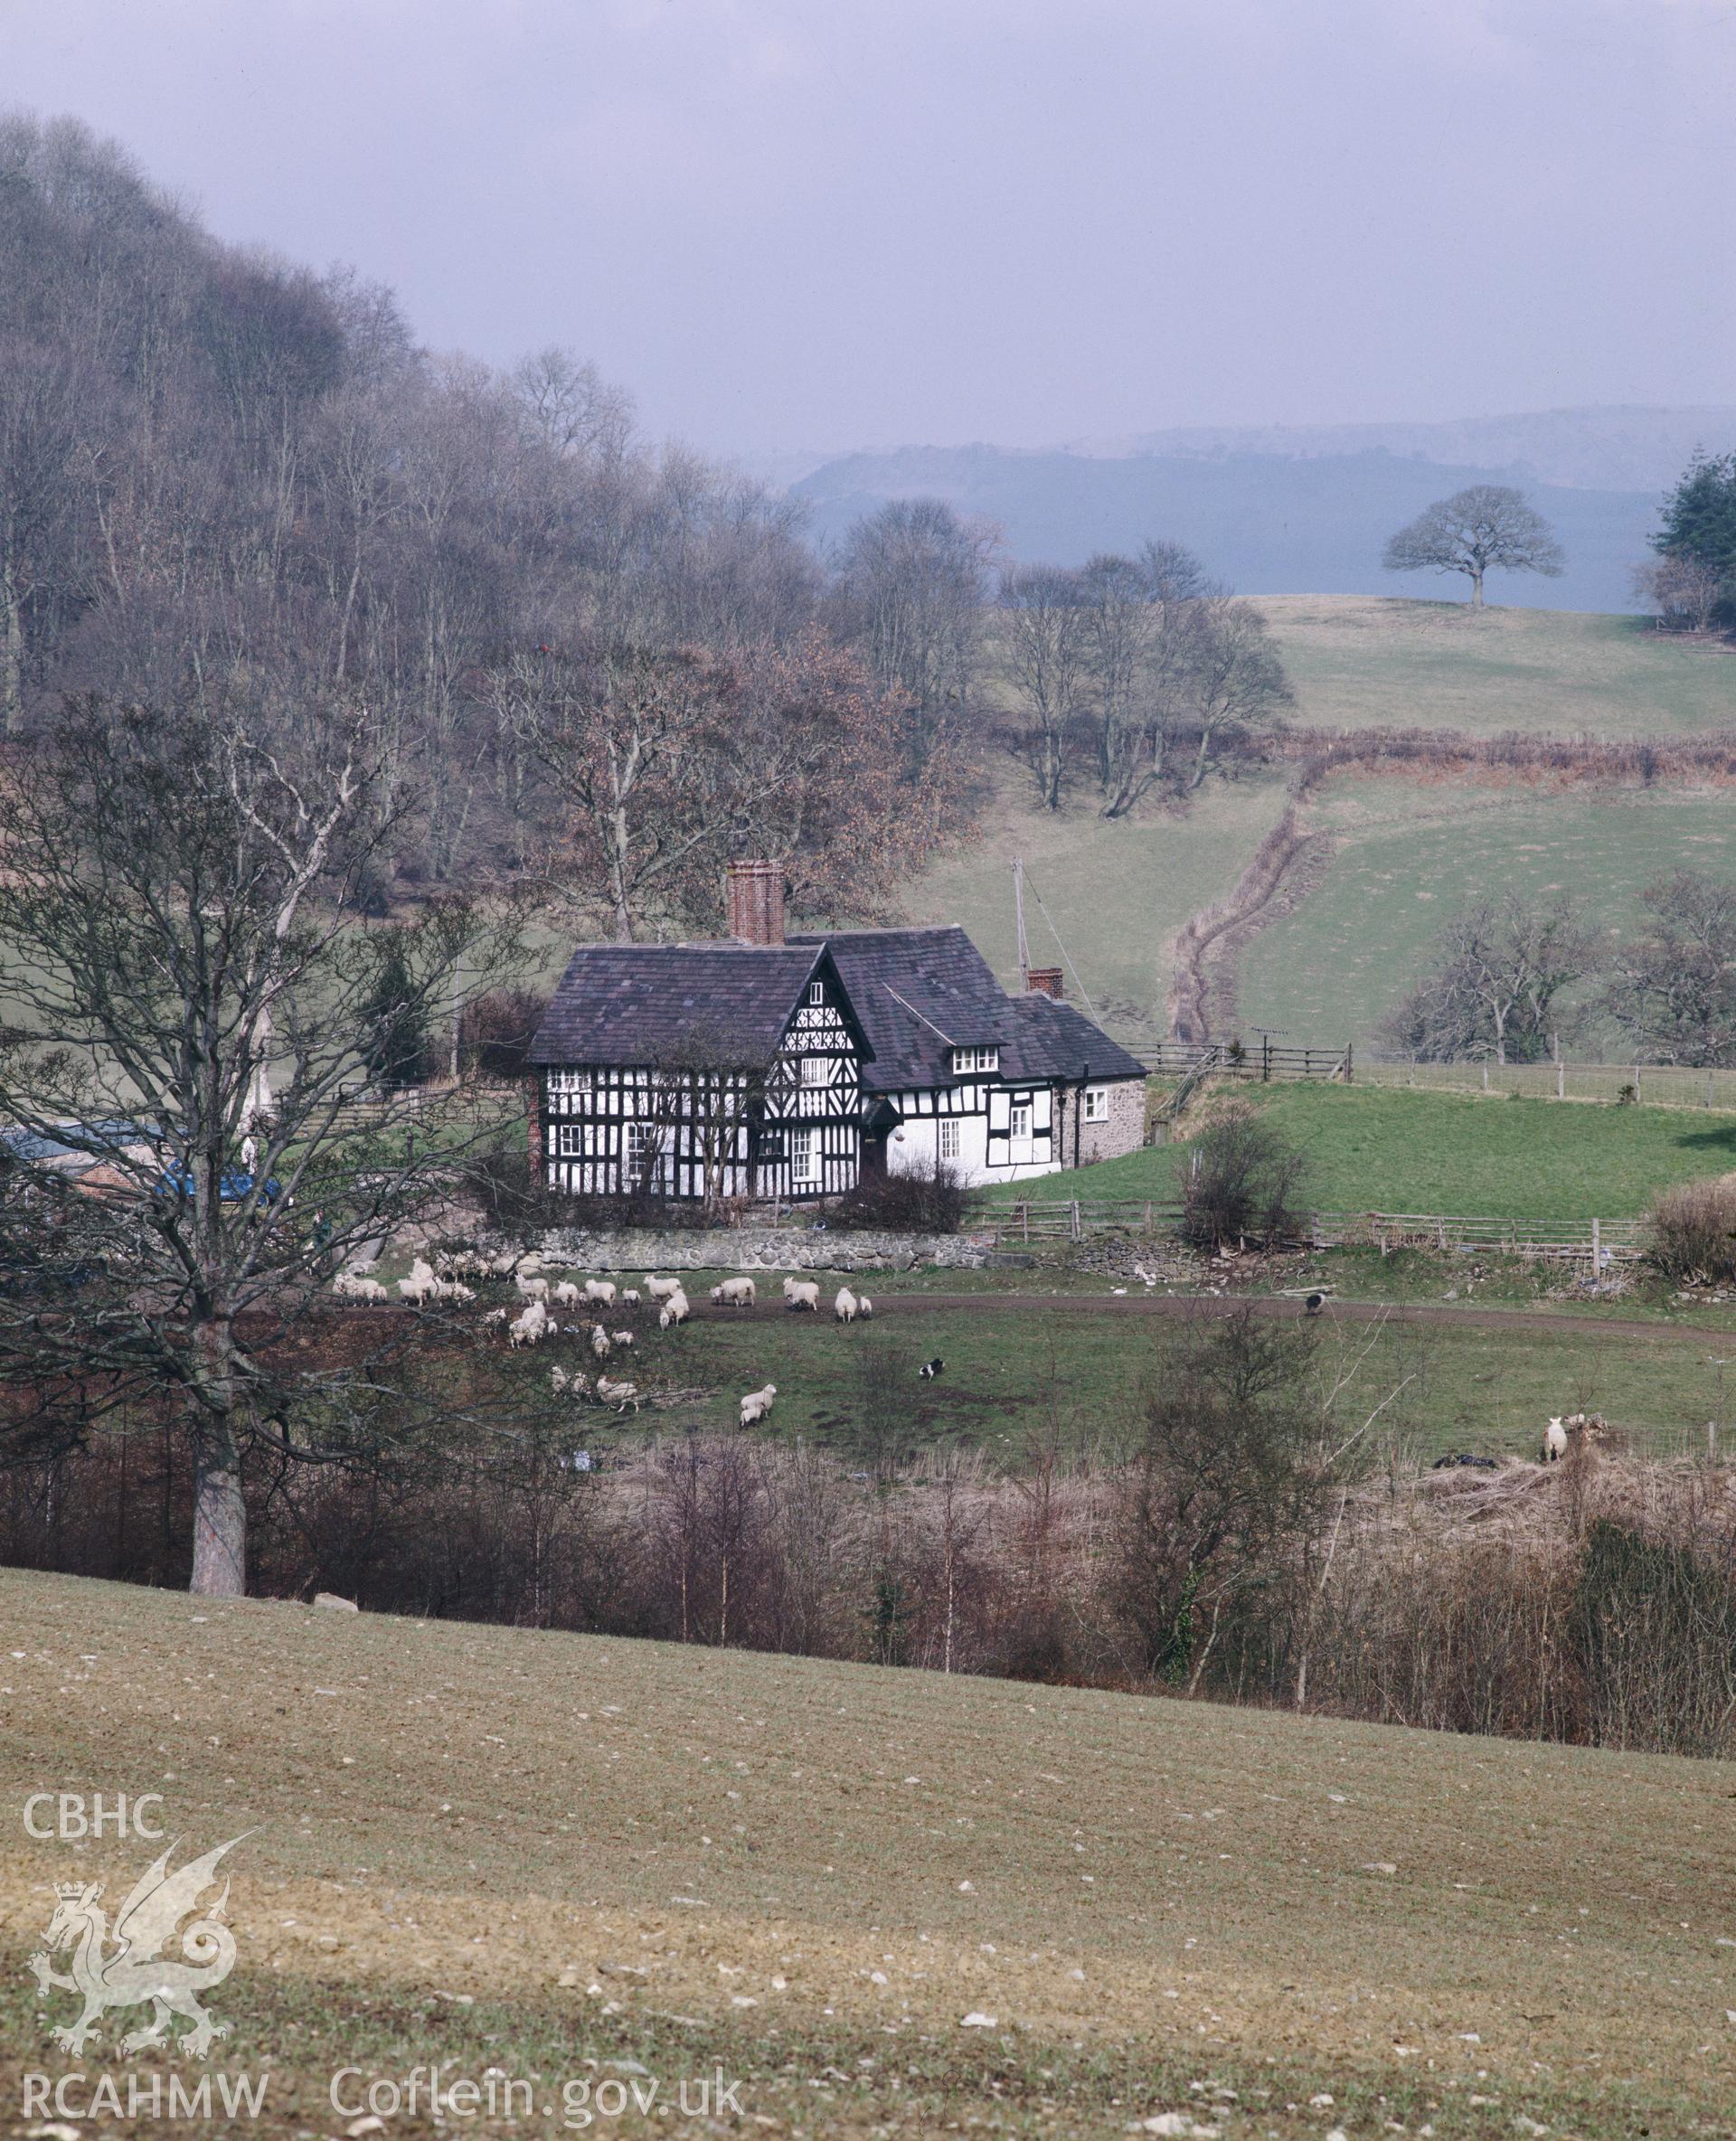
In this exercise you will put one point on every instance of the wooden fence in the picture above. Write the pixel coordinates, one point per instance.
(1599, 1244)
(1650, 1085)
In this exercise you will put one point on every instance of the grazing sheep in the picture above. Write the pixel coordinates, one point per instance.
(566, 1295)
(620, 1395)
(630, 1298)
(460, 1263)
(453, 1289)
(531, 1289)
(735, 1293)
(529, 1327)
(845, 1306)
(600, 1289)
(660, 1289)
(599, 1342)
(620, 1337)
(864, 1308)
(496, 1316)
(673, 1311)
(1554, 1440)
(504, 1263)
(367, 1290)
(558, 1382)
(421, 1285)
(757, 1404)
(931, 1368)
(802, 1293)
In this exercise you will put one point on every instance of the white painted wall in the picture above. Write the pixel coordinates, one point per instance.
(916, 1142)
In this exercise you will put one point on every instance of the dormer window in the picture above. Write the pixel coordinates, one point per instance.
(967, 1062)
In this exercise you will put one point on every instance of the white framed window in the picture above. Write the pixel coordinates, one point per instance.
(817, 993)
(570, 1141)
(568, 1085)
(641, 1150)
(967, 1060)
(950, 1138)
(816, 1070)
(1019, 1120)
(804, 1157)
(1097, 1103)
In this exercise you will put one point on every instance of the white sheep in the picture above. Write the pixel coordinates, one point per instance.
(496, 1316)
(368, 1289)
(529, 1327)
(566, 1295)
(673, 1311)
(600, 1289)
(421, 1285)
(757, 1404)
(1554, 1440)
(735, 1293)
(453, 1289)
(620, 1395)
(660, 1289)
(865, 1307)
(802, 1293)
(558, 1382)
(630, 1298)
(531, 1289)
(620, 1337)
(845, 1306)
(599, 1342)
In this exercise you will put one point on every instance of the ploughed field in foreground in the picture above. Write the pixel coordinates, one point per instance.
(522, 1851)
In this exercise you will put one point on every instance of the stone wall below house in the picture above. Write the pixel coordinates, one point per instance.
(1124, 1132)
(761, 1248)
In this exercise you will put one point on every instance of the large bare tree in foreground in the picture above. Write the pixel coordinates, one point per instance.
(190, 1002)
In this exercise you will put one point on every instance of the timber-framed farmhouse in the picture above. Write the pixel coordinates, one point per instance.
(760, 1067)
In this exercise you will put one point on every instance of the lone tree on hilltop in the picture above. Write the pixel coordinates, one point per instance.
(1487, 526)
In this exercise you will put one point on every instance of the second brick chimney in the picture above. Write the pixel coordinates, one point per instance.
(755, 896)
(1044, 981)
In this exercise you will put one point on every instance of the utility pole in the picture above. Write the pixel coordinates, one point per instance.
(1018, 908)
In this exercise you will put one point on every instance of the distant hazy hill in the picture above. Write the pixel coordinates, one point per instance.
(1596, 449)
(1268, 522)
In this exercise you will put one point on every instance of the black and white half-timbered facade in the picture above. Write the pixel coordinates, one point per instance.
(997, 1087)
(760, 1067)
(699, 1070)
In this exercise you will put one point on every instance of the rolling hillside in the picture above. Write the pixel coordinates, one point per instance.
(1403, 848)
(882, 1902)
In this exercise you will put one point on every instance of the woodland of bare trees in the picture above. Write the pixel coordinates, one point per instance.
(224, 473)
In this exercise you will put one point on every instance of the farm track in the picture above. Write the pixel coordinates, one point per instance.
(1286, 866)
(1182, 1308)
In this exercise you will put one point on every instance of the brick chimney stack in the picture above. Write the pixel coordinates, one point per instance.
(755, 894)
(1044, 981)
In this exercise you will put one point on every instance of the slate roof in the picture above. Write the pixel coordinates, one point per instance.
(629, 1004)
(919, 993)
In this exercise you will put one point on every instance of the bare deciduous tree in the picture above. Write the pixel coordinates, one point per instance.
(181, 958)
(1674, 989)
(1480, 528)
(1495, 987)
(1045, 646)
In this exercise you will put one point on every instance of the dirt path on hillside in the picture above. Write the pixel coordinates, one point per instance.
(1287, 865)
(1180, 1307)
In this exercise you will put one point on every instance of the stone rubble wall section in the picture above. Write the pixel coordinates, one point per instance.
(761, 1249)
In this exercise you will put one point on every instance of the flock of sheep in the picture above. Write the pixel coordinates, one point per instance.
(538, 1292)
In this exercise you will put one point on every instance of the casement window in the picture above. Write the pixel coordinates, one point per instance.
(1019, 1121)
(967, 1061)
(641, 1151)
(570, 1141)
(569, 1085)
(1097, 1103)
(804, 1157)
(817, 993)
(816, 1070)
(951, 1140)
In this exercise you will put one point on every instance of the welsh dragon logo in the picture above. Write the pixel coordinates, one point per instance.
(124, 1969)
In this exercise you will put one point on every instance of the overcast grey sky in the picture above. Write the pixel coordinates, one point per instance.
(833, 222)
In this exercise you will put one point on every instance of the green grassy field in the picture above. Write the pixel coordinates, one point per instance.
(1409, 857)
(1366, 661)
(1385, 1149)
(565, 1862)
(1014, 1379)
(1119, 892)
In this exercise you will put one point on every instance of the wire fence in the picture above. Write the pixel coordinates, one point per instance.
(1599, 1244)
(1651, 1085)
